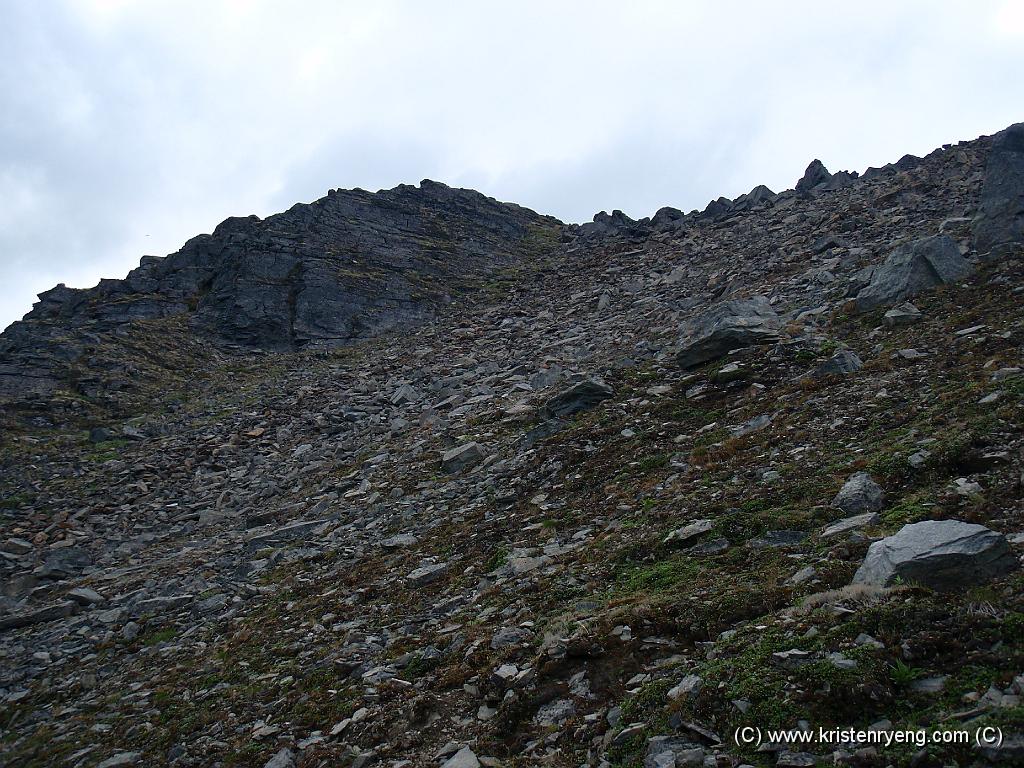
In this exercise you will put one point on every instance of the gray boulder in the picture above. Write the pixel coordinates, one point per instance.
(60, 610)
(913, 268)
(464, 758)
(555, 712)
(667, 218)
(903, 315)
(1000, 218)
(848, 524)
(759, 195)
(581, 396)
(64, 562)
(671, 752)
(399, 541)
(727, 326)
(508, 637)
(689, 533)
(687, 689)
(942, 554)
(841, 363)
(283, 759)
(860, 494)
(427, 574)
(608, 225)
(718, 209)
(461, 457)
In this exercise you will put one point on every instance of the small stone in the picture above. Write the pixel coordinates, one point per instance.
(903, 315)
(803, 575)
(673, 751)
(791, 659)
(860, 494)
(462, 457)
(777, 540)
(426, 574)
(689, 533)
(628, 733)
(911, 354)
(130, 631)
(839, 661)
(555, 712)
(967, 488)
(464, 758)
(121, 759)
(17, 546)
(851, 523)
(1007, 373)
(688, 689)
(507, 637)
(842, 363)
(929, 684)
(787, 759)
(865, 639)
(710, 547)
(86, 596)
(506, 672)
(405, 394)
(919, 459)
(753, 425)
(399, 541)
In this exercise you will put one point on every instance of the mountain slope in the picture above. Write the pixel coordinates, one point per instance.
(605, 512)
(342, 268)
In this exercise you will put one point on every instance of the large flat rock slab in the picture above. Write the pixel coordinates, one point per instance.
(727, 326)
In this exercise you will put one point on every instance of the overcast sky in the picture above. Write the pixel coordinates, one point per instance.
(128, 127)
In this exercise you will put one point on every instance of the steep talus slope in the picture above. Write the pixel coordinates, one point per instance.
(524, 533)
(342, 268)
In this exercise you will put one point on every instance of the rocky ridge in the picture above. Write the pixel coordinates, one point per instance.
(345, 267)
(602, 511)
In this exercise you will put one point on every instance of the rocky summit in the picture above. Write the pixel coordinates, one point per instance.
(343, 268)
(418, 478)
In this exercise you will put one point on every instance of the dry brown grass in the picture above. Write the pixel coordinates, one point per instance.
(859, 594)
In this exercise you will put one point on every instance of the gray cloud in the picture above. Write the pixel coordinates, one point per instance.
(128, 127)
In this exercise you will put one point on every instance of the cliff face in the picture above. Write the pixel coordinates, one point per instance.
(343, 268)
(640, 484)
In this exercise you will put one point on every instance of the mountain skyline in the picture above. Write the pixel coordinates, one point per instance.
(128, 129)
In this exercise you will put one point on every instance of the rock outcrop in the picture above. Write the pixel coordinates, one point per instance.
(816, 175)
(1000, 219)
(345, 267)
(910, 269)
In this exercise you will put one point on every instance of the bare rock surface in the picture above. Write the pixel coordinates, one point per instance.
(911, 268)
(1000, 219)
